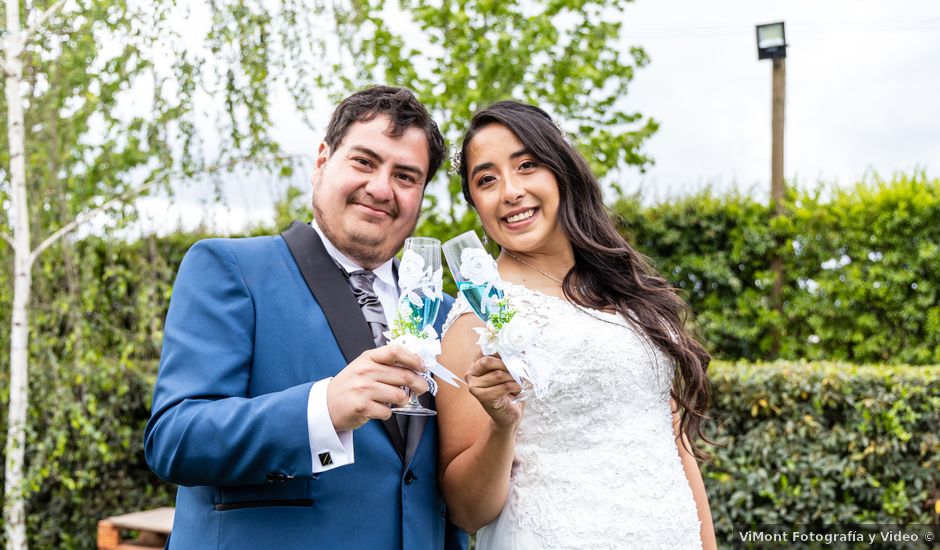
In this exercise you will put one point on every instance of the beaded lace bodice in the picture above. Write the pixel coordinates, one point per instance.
(596, 464)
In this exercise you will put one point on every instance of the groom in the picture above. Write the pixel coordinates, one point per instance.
(271, 407)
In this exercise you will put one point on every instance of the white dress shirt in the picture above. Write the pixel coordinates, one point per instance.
(323, 436)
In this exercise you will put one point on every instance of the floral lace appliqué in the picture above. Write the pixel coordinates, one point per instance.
(596, 462)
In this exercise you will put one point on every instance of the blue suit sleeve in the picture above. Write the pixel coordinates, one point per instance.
(204, 428)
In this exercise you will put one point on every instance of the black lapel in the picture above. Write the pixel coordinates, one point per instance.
(331, 290)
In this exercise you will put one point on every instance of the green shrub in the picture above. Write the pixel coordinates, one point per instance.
(798, 443)
(861, 277)
(716, 250)
(864, 283)
(823, 443)
(96, 329)
(85, 457)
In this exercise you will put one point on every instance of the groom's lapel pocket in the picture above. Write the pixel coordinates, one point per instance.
(291, 492)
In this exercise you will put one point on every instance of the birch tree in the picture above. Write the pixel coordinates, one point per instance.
(108, 100)
(14, 510)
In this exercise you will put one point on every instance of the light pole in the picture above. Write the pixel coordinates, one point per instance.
(772, 44)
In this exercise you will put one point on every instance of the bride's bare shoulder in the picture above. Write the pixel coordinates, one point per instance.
(459, 331)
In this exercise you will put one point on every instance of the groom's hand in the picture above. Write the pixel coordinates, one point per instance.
(363, 390)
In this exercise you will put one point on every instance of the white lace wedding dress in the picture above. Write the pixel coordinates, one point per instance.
(596, 463)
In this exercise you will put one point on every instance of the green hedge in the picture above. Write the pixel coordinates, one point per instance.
(823, 443)
(797, 443)
(862, 282)
(97, 326)
(85, 452)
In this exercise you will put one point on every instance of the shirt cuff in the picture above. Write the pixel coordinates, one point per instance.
(328, 448)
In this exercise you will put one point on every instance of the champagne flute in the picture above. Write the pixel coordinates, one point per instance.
(421, 281)
(482, 296)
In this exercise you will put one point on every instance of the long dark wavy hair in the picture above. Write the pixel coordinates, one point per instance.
(607, 270)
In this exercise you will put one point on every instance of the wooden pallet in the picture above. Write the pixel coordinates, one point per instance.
(153, 525)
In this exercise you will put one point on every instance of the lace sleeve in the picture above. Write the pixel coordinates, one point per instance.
(460, 307)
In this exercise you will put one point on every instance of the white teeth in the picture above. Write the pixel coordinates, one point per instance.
(521, 216)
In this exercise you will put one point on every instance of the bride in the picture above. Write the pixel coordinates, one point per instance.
(604, 457)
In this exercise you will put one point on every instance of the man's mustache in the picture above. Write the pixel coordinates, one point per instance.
(389, 207)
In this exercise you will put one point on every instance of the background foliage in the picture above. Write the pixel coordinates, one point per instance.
(821, 444)
(97, 326)
(811, 443)
(860, 269)
(458, 56)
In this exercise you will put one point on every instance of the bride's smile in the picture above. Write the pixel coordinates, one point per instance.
(516, 196)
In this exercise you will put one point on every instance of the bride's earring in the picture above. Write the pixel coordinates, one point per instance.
(486, 238)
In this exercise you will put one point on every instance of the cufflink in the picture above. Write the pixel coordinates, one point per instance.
(325, 459)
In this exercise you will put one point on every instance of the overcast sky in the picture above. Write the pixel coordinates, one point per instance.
(863, 90)
(863, 94)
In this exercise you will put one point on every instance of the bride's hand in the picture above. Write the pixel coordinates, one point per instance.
(494, 388)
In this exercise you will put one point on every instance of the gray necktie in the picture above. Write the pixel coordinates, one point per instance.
(361, 282)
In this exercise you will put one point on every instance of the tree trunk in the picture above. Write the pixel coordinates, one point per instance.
(14, 508)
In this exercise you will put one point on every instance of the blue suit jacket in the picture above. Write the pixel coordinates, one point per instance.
(252, 324)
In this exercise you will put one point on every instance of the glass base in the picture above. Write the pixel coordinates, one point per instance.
(413, 410)
(413, 407)
(527, 390)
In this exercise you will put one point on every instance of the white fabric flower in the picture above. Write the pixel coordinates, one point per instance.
(478, 266)
(428, 346)
(407, 341)
(515, 336)
(410, 270)
(428, 349)
(486, 340)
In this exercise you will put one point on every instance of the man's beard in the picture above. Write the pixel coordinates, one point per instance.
(369, 251)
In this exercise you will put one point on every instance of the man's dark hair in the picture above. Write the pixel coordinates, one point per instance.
(401, 106)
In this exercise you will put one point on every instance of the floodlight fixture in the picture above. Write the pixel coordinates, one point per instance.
(771, 41)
